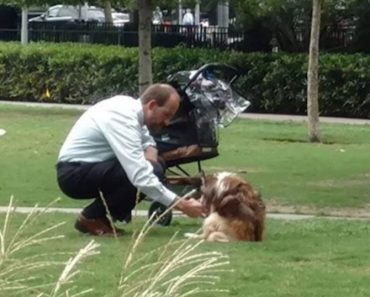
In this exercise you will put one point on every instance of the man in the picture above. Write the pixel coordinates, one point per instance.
(157, 18)
(188, 19)
(109, 154)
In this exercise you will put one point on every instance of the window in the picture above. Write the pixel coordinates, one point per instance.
(95, 14)
(68, 12)
(53, 12)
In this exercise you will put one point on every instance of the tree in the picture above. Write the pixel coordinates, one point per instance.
(145, 10)
(290, 21)
(361, 13)
(145, 47)
(23, 5)
(108, 11)
(278, 18)
(312, 75)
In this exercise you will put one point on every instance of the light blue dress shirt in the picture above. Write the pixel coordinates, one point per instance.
(114, 128)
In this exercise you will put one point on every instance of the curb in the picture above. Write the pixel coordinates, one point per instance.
(144, 213)
(298, 118)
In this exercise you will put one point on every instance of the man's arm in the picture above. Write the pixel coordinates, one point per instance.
(191, 207)
(151, 154)
(124, 134)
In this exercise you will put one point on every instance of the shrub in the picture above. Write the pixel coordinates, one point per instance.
(274, 83)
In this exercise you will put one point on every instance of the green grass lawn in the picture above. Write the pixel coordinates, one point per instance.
(313, 258)
(287, 169)
(275, 157)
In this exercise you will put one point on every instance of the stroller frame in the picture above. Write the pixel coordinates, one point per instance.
(169, 142)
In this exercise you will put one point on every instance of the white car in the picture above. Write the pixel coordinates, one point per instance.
(120, 18)
(69, 13)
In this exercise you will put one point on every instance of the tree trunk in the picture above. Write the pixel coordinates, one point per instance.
(145, 45)
(285, 35)
(197, 13)
(313, 75)
(180, 11)
(24, 26)
(223, 13)
(108, 12)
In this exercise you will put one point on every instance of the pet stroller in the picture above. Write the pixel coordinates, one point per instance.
(209, 100)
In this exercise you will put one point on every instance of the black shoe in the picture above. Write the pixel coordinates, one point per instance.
(128, 218)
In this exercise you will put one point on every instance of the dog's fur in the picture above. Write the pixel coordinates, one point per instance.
(235, 212)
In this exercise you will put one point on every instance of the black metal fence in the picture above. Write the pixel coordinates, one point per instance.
(103, 33)
(9, 34)
(166, 36)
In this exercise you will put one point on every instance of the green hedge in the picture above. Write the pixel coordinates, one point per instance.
(275, 83)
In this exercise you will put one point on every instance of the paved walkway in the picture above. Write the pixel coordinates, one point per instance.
(144, 213)
(295, 118)
(253, 116)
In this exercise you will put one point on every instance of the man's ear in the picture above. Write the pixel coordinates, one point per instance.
(152, 104)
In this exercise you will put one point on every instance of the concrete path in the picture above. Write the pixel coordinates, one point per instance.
(252, 116)
(140, 213)
(144, 213)
(46, 105)
(295, 118)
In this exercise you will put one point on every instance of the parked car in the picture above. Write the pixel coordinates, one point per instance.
(120, 18)
(69, 13)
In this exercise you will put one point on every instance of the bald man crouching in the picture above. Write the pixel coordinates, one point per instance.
(110, 151)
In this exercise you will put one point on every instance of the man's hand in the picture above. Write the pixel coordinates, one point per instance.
(191, 207)
(151, 154)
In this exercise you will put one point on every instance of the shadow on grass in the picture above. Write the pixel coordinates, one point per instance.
(292, 140)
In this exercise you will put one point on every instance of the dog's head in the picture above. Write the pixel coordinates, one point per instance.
(232, 197)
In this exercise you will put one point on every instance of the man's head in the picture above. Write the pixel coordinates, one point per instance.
(160, 103)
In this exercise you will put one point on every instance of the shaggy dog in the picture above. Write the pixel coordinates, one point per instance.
(235, 212)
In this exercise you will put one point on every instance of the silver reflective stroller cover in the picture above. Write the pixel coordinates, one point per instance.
(208, 101)
(210, 89)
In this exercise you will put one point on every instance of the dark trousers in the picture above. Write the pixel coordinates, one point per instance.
(81, 180)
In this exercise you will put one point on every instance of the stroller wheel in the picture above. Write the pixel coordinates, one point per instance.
(156, 210)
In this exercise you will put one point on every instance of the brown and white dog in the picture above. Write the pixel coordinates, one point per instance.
(235, 212)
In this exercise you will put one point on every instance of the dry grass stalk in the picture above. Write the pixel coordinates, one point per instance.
(18, 241)
(109, 216)
(144, 231)
(181, 272)
(176, 269)
(17, 272)
(70, 270)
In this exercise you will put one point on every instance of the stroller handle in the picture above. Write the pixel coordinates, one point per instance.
(213, 66)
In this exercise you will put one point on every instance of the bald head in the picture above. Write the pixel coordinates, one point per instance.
(160, 93)
(160, 103)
